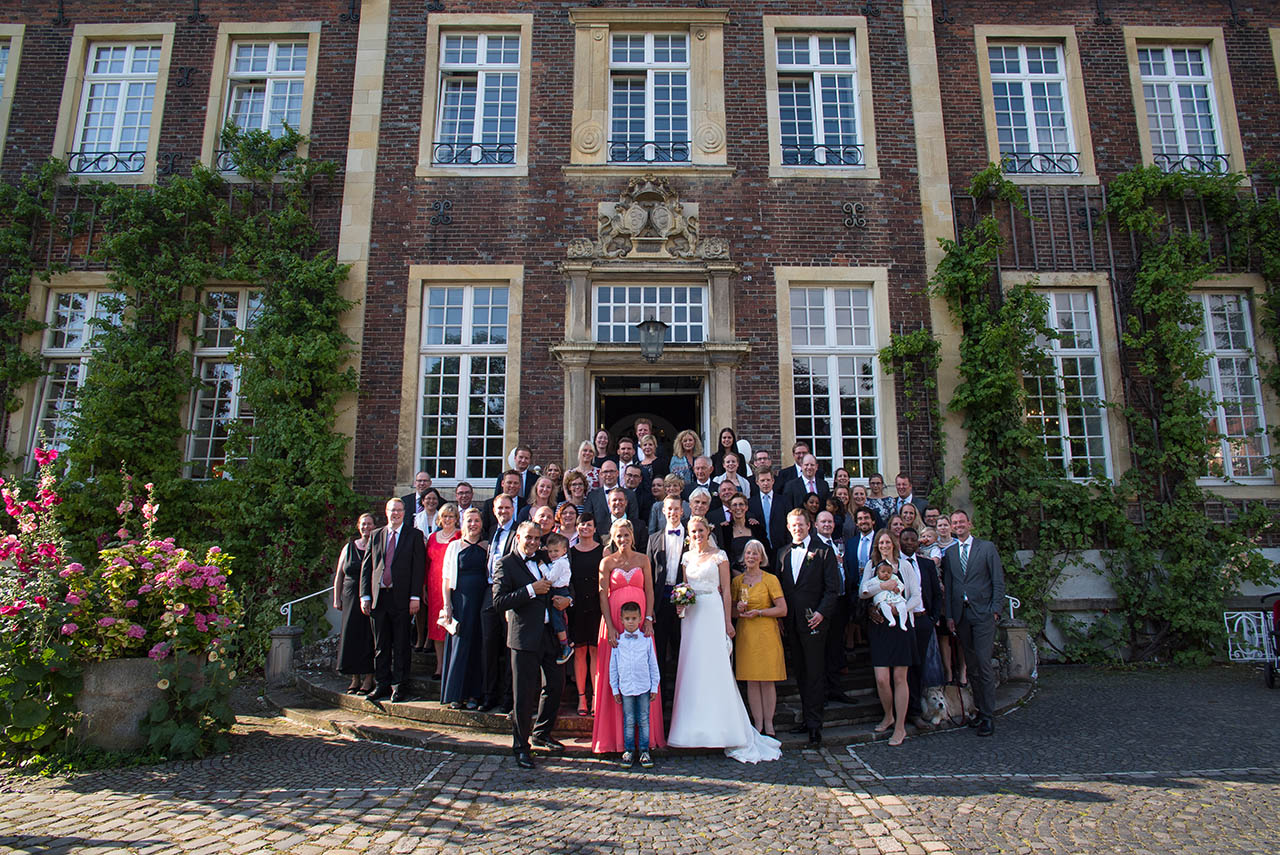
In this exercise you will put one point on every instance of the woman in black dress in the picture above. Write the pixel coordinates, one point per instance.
(355, 640)
(893, 650)
(728, 446)
(735, 532)
(464, 583)
(584, 623)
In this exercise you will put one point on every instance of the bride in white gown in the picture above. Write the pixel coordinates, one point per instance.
(708, 710)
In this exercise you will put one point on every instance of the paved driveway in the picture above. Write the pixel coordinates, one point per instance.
(1098, 761)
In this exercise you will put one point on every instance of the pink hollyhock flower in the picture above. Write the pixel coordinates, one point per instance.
(122, 533)
(45, 456)
(68, 628)
(40, 601)
(106, 622)
(75, 567)
(124, 507)
(72, 599)
(149, 486)
(131, 604)
(136, 631)
(48, 550)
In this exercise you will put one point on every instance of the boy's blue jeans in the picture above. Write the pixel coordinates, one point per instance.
(635, 716)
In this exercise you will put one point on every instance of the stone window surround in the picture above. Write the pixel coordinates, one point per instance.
(230, 32)
(1210, 38)
(1077, 105)
(1275, 50)
(12, 33)
(421, 276)
(855, 25)
(708, 126)
(786, 278)
(82, 38)
(442, 21)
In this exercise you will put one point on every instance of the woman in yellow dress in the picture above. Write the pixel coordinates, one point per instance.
(758, 604)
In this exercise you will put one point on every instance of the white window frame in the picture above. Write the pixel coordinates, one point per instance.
(12, 36)
(206, 356)
(268, 79)
(1215, 161)
(506, 150)
(810, 72)
(1057, 351)
(1212, 383)
(690, 314)
(111, 161)
(650, 67)
(465, 352)
(95, 308)
(1051, 159)
(866, 353)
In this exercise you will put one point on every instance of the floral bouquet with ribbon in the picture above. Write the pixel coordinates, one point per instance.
(682, 596)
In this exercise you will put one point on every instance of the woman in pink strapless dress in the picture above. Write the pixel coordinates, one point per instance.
(625, 577)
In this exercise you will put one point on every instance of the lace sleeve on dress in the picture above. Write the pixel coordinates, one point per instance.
(720, 556)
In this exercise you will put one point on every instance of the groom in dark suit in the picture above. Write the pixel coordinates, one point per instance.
(390, 581)
(522, 589)
(974, 582)
(811, 584)
(666, 551)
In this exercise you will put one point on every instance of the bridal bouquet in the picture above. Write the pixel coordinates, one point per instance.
(683, 596)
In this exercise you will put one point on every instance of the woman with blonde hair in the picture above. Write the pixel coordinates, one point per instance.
(586, 467)
(686, 449)
(758, 605)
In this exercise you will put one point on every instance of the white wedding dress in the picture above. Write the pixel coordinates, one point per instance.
(708, 710)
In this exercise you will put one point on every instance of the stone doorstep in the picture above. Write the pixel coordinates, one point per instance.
(295, 705)
(329, 688)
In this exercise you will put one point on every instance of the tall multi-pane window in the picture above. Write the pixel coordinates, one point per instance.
(1177, 88)
(4, 61)
(113, 124)
(1067, 409)
(833, 345)
(265, 88)
(620, 307)
(479, 99)
(818, 100)
(463, 376)
(218, 404)
(1033, 121)
(68, 344)
(649, 97)
(1239, 450)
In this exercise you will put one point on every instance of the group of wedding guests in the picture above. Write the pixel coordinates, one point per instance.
(666, 577)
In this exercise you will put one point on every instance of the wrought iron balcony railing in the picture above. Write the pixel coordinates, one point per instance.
(1041, 162)
(473, 154)
(648, 151)
(822, 155)
(1187, 162)
(224, 161)
(106, 162)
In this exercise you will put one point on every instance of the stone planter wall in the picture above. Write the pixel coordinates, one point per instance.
(114, 700)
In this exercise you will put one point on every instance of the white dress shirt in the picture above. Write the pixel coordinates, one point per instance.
(675, 542)
(798, 551)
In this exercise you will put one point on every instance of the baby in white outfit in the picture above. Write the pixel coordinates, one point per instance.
(884, 599)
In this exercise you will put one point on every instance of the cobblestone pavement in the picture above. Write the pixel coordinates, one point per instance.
(1097, 762)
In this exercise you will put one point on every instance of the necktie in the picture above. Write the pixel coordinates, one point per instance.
(964, 559)
(864, 550)
(811, 489)
(391, 556)
(766, 504)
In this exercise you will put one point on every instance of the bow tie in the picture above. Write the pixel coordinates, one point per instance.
(631, 635)
(674, 531)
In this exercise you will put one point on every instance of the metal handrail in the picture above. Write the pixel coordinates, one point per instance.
(287, 608)
(1014, 603)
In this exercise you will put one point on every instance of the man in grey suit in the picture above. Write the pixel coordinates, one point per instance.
(974, 582)
(391, 578)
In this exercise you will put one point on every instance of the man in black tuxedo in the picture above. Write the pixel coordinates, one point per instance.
(719, 512)
(702, 472)
(523, 457)
(522, 589)
(391, 580)
(413, 501)
(926, 619)
(511, 488)
(974, 583)
(666, 550)
(811, 584)
(808, 482)
(598, 499)
(769, 509)
(493, 622)
(617, 509)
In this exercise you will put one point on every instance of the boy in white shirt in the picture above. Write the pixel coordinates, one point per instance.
(633, 677)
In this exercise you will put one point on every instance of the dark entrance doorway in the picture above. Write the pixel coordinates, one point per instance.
(673, 403)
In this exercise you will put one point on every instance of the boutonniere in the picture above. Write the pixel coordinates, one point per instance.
(811, 553)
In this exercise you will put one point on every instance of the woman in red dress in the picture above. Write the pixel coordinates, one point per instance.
(446, 532)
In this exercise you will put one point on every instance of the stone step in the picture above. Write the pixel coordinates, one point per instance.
(330, 690)
(390, 726)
